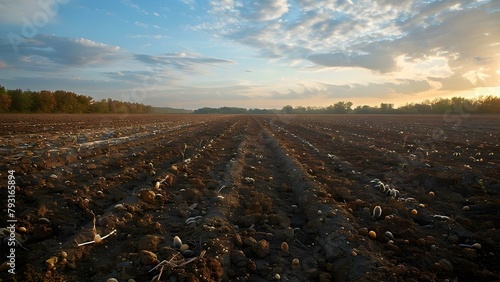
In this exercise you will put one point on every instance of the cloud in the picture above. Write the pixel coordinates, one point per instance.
(366, 34)
(67, 51)
(376, 60)
(189, 3)
(32, 12)
(134, 6)
(153, 36)
(264, 10)
(455, 82)
(148, 78)
(182, 61)
(46, 49)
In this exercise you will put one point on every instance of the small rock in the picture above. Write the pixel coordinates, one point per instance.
(51, 262)
(372, 234)
(177, 242)
(470, 253)
(249, 241)
(249, 180)
(147, 257)
(5, 266)
(261, 248)
(389, 235)
(421, 242)
(184, 247)
(284, 247)
(377, 212)
(148, 196)
(251, 265)
(363, 231)
(295, 264)
(446, 265)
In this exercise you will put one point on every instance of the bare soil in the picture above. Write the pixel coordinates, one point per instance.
(247, 195)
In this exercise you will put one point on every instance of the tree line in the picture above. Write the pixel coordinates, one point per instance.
(456, 105)
(19, 101)
(60, 101)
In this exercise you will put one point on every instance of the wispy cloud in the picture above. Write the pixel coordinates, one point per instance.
(189, 3)
(265, 10)
(153, 36)
(134, 6)
(44, 48)
(160, 76)
(183, 61)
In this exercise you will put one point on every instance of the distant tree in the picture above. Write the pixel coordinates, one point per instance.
(263, 111)
(386, 108)
(44, 102)
(5, 100)
(100, 107)
(287, 109)
(300, 110)
(233, 110)
(21, 102)
(207, 110)
(111, 105)
(165, 110)
(65, 102)
(488, 105)
(424, 108)
(120, 107)
(441, 106)
(339, 108)
(365, 109)
(82, 103)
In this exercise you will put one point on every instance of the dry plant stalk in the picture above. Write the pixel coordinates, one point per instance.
(97, 237)
(183, 153)
(169, 262)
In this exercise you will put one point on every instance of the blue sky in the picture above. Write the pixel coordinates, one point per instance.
(253, 54)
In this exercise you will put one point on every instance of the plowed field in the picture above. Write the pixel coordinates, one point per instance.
(253, 198)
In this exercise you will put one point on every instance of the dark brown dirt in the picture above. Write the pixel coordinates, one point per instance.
(247, 195)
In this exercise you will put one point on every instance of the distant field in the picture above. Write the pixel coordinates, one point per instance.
(234, 188)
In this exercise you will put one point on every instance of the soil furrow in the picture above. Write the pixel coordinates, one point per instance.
(254, 198)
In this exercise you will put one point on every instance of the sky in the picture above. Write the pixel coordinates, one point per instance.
(253, 54)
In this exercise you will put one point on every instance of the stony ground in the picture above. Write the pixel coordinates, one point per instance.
(254, 198)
